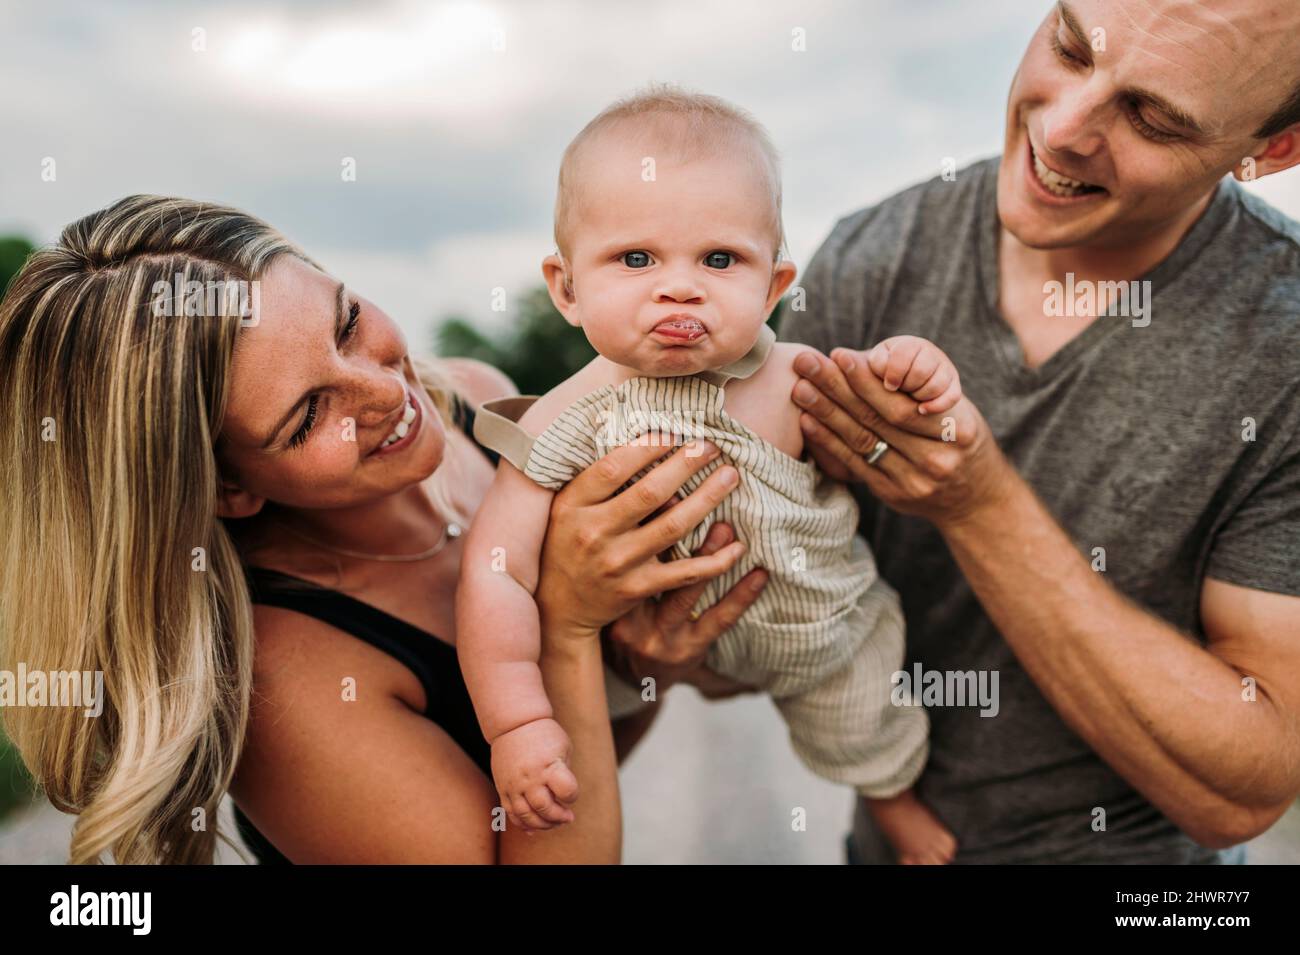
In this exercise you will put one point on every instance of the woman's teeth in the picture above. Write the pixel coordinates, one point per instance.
(403, 426)
(1060, 185)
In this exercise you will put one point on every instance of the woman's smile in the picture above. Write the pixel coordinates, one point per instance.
(404, 432)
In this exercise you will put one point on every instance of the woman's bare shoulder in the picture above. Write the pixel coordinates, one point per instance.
(338, 751)
(478, 381)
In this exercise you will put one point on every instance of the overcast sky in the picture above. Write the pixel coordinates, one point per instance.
(456, 116)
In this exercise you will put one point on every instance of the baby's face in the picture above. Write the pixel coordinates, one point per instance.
(676, 275)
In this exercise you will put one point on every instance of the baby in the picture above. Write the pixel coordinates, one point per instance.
(668, 227)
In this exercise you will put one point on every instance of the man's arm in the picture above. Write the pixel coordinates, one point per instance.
(1169, 715)
(1176, 720)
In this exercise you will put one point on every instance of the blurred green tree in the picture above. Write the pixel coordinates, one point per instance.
(539, 352)
(13, 253)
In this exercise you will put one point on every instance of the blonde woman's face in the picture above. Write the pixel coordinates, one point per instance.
(317, 385)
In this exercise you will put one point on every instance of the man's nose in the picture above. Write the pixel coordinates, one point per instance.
(1073, 123)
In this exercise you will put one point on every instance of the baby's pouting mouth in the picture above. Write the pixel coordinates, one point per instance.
(681, 328)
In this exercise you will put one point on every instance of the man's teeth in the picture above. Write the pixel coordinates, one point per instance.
(403, 426)
(1057, 184)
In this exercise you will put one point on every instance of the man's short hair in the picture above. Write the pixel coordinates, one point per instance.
(1287, 115)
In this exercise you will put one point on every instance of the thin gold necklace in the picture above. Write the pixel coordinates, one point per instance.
(450, 531)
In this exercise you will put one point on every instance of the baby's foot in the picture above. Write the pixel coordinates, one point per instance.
(917, 835)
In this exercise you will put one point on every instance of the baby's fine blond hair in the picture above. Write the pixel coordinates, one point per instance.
(677, 124)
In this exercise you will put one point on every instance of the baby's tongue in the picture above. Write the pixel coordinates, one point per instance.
(684, 328)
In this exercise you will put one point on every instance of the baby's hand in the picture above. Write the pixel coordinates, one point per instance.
(530, 765)
(920, 369)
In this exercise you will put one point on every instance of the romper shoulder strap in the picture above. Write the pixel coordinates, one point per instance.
(496, 426)
(746, 364)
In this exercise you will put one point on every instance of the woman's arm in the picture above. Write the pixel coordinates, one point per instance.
(361, 778)
(575, 682)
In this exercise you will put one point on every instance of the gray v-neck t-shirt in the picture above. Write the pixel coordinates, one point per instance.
(1169, 441)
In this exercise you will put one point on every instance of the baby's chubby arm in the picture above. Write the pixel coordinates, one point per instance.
(498, 641)
(919, 368)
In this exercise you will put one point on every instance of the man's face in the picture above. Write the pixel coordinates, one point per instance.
(1147, 104)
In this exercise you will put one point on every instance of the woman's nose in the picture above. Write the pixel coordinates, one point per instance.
(377, 392)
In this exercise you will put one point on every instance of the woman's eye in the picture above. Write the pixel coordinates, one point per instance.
(636, 260)
(354, 312)
(718, 260)
(300, 435)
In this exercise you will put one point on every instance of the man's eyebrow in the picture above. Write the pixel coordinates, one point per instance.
(1176, 114)
(1072, 23)
(1179, 116)
(293, 410)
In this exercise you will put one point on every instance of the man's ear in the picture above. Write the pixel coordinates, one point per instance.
(782, 276)
(234, 502)
(560, 286)
(1280, 152)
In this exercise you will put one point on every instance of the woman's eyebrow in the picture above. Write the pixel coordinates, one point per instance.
(339, 298)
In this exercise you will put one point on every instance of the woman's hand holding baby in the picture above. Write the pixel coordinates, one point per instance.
(600, 557)
(660, 640)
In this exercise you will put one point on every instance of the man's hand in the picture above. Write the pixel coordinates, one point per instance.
(941, 467)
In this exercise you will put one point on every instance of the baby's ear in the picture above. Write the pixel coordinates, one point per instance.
(559, 284)
(783, 274)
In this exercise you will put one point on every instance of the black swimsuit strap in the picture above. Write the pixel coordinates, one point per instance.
(403, 641)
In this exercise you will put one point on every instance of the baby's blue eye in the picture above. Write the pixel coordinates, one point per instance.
(636, 260)
(718, 260)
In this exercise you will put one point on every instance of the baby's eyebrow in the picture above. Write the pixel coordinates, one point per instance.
(743, 246)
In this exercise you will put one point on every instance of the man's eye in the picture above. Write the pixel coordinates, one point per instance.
(1147, 130)
(636, 260)
(1065, 54)
(718, 260)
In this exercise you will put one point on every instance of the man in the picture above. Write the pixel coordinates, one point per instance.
(1110, 521)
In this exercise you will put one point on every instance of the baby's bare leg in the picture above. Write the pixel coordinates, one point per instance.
(917, 835)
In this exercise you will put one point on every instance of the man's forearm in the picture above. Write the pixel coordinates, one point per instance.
(1164, 712)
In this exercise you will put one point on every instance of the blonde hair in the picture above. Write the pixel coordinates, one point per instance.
(683, 124)
(111, 414)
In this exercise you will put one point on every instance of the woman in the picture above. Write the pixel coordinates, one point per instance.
(168, 455)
